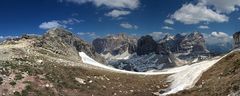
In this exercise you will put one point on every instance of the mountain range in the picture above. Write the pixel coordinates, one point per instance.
(60, 63)
(146, 54)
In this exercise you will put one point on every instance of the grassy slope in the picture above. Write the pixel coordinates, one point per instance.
(222, 79)
(103, 83)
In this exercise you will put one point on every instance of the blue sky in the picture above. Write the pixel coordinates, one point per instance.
(96, 18)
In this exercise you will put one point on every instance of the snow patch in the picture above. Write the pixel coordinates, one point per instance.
(88, 60)
(141, 63)
(122, 56)
(182, 78)
(195, 60)
(188, 77)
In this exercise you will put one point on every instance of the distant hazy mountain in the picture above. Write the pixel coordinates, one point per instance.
(220, 48)
(219, 42)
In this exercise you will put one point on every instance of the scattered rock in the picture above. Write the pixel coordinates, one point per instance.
(80, 80)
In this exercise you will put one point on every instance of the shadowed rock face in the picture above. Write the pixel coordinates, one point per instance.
(115, 44)
(66, 43)
(146, 45)
(236, 37)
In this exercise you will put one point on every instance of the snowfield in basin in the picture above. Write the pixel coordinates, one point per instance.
(181, 78)
(88, 60)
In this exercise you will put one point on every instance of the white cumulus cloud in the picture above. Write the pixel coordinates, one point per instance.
(128, 26)
(71, 21)
(194, 14)
(91, 34)
(158, 35)
(217, 38)
(117, 13)
(59, 23)
(169, 21)
(130, 4)
(219, 34)
(203, 27)
(50, 24)
(167, 28)
(222, 6)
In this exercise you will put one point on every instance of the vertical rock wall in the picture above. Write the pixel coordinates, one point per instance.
(236, 37)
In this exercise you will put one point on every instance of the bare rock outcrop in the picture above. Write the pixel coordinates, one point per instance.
(236, 37)
(115, 44)
(66, 43)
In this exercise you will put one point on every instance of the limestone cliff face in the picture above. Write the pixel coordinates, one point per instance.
(192, 42)
(115, 44)
(66, 43)
(236, 37)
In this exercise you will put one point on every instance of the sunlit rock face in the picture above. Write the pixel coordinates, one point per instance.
(66, 43)
(182, 43)
(115, 44)
(236, 37)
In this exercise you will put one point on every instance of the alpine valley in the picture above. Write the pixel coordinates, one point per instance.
(120, 48)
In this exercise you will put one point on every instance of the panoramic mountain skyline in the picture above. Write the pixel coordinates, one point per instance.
(120, 48)
(96, 18)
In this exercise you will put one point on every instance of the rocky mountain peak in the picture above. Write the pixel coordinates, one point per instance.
(185, 42)
(66, 43)
(146, 45)
(115, 44)
(194, 35)
(195, 42)
(54, 32)
(168, 37)
(121, 35)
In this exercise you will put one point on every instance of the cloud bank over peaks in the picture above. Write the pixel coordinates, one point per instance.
(218, 38)
(167, 28)
(158, 35)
